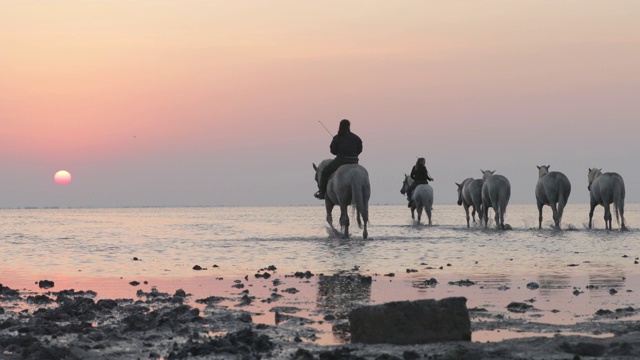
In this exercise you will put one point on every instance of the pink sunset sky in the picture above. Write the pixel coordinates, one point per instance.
(170, 103)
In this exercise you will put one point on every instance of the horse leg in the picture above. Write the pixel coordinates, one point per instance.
(413, 216)
(556, 219)
(419, 214)
(593, 206)
(561, 204)
(497, 219)
(486, 218)
(620, 207)
(344, 220)
(329, 206)
(466, 211)
(540, 205)
(428, 211)
(607, 216)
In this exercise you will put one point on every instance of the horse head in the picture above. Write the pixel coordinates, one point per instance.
(487, 174)
(592, 175)
(405, 185)
(543, 170)
(460, 192)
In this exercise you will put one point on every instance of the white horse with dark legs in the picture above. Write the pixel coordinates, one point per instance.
(496, 191)
(606, 189)
(553, 189)
(422, 198)
(349, 185)
(470, 196)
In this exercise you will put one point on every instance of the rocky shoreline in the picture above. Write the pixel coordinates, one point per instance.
(71, 324)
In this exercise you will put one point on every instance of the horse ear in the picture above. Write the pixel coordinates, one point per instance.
(548, 166)
(315, 167)
(458, 185)
(538, 167)
(589, 170)
(493, 172)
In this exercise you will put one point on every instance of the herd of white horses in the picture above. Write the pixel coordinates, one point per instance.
(349, 185)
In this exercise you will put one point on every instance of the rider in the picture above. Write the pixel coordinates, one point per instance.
(420, 175)
(346, 146)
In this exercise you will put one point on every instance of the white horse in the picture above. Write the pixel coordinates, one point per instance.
(422, 198)
(470, 196)
(553, 189)
(349, 185)
(606, 189)
(496, 191)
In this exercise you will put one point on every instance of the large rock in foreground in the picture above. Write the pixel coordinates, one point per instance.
(411, 322)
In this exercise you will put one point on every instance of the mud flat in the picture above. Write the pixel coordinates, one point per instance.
(293, 316)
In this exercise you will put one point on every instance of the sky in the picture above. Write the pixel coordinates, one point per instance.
(221, 103)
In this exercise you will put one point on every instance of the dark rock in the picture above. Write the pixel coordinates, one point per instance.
(134, 283)
(303, 275)
(410, 355)
(8, 292)
(343, 353)
(285, 309)
(533, 286)
(197, 267)
(244, 344)
(519, 307)
(211, 300)
(462, 282)
(265, 275)
(302, 354)
(411, 322)
(583, 349)
(603, 312)
(45, 284)
(39, 300)
(107, 304)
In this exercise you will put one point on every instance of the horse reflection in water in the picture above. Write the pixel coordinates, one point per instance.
(338, 294)
(606, 189)
(470, 196)
(349, 185)
(496, 191)
(422, 198)
(553, 189)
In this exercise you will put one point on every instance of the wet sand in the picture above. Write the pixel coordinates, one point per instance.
(302, 315)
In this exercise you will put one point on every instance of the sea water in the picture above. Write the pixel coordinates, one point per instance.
(578, 270)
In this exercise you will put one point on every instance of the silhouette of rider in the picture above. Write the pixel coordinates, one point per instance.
(346, 146)
(420, 175)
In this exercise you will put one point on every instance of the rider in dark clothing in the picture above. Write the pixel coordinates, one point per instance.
(346, 146)
(420, 175)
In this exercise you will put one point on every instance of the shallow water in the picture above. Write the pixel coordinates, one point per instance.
(94, 249)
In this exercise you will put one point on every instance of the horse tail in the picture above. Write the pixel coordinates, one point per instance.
(357, 200)
(563, 197)
(503, 200)
(618, 203)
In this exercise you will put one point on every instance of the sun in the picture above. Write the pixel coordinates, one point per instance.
(62, 177)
